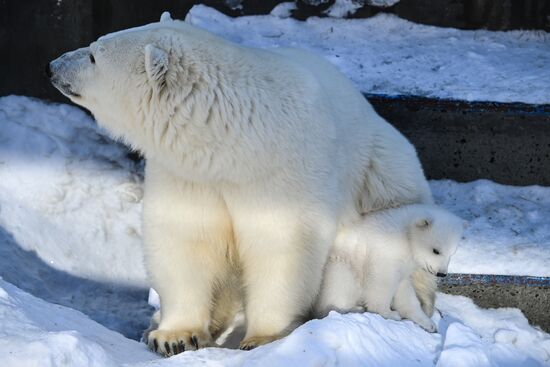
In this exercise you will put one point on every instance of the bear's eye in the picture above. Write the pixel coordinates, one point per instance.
(92, 60)
(436, 251)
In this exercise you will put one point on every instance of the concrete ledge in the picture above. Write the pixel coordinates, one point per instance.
(530, 294)
(465, 141)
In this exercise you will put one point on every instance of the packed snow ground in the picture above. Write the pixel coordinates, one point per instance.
(38, 333)
(388, 55)
(70, 201)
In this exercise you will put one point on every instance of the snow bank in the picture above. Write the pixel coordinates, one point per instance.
(77, 191)
(37, 333)
(388, 55)
(70, 203)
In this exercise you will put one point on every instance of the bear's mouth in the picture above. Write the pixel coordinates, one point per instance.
(65, 89)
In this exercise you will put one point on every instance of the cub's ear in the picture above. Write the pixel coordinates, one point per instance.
(423, 223)
(156, 64)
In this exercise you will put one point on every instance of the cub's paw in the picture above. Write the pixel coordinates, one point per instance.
(171, 342)
(390, 315)
(427, 325)
(256, 341)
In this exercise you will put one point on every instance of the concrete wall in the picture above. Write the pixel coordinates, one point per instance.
(506, 142)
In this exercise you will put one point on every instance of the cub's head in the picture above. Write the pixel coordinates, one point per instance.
(434, 234)
(127, 77)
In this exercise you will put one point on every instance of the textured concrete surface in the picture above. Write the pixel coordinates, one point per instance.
(531, 295)
(464, 141)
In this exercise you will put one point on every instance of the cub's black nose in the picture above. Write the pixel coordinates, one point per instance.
(48, 70)
(441, 275)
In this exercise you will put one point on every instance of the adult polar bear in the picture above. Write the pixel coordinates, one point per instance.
(255, 158)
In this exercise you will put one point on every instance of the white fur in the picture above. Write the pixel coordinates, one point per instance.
(372, 263)
(255, 158)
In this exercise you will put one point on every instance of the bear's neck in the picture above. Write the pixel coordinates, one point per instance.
(201, 124)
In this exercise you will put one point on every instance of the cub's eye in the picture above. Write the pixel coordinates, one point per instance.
(92, 60)
(436, 251)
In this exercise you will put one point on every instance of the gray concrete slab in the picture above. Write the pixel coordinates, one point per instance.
(530, 294)
(505, 142)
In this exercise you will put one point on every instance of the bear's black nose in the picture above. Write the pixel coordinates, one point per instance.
(48, 70)
(442, 275)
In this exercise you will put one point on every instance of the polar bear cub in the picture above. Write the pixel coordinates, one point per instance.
(372, 262)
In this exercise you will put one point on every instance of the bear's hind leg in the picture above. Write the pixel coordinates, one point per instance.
(282, 255)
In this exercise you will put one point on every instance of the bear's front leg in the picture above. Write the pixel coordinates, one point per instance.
(186, 236)
(282, 251)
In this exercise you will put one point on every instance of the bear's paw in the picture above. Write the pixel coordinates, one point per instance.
(256, 341)
(172, 342)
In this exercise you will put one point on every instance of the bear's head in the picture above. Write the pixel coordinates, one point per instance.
(129, 78)
(434, 234)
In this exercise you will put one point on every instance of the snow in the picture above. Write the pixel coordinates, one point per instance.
(388, 55)
(38, 333)
(283, 10)
(345, 8)
(508, 227)
(70, 203)
(382, 3)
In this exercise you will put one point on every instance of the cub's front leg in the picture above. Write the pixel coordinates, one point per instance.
(407, 304)
(186, 235)
(340, 290)
(380, 287)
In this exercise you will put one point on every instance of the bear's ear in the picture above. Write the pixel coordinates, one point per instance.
(423, 223)
(156, 64)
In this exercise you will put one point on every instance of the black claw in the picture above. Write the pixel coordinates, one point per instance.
(181, 346)
(167, 347)
(247, 347)
(175, 349)
(195, 341)
(155, 345)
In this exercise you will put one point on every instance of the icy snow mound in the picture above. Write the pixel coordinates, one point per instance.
(38, 333)
(70, 203)
(75, 188)
(388, 55)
